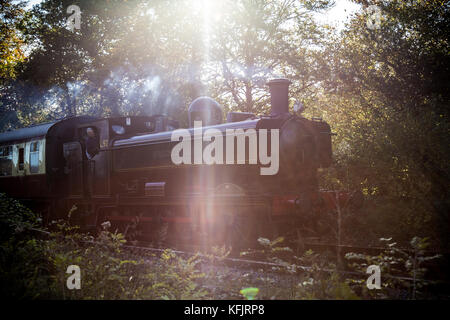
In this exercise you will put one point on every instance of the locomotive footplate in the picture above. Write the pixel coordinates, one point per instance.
(215, 200)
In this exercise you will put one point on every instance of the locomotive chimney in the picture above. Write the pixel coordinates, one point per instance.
(279, 95)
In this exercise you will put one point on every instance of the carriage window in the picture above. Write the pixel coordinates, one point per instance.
(6, 164)
(21, 159)
(34, 157)
(6, 152)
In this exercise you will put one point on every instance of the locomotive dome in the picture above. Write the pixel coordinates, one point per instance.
(205, 109)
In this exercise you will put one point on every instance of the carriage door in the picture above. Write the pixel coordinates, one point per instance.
(73, 168)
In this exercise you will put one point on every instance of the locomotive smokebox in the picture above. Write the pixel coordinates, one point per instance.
(279, 95)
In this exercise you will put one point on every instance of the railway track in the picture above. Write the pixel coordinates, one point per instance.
(267, 266)
(253, 265)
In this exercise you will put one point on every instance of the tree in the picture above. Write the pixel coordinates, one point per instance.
(13, 20)
(391, 102)
(122, 61)
(252, 41)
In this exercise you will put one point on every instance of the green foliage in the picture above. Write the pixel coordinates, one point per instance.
(396, 265)
(312, 275)
(15, 218)
(33, 268)
(110, 272)
(249, 293)
(176, 278)
(330, 287)
(386, 101)
(321, 279)
(23, 268)
(13, 19)
(33, 265)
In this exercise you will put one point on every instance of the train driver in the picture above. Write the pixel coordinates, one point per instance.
(92, 144)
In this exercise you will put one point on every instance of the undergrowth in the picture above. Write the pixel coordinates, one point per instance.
(34, 262)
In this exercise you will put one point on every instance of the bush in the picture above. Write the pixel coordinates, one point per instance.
(396, 265)
(33, 268)
(24, 270)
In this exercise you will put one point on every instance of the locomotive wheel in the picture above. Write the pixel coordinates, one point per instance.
(129, 229)
(244, 229)
(161, 232)
(241, 235)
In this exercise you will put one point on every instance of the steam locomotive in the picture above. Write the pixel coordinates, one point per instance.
(131, 180)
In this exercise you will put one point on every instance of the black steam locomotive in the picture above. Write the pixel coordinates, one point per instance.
(122, 170)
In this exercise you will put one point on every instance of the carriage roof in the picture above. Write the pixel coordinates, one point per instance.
(25, 133)
(41, 130)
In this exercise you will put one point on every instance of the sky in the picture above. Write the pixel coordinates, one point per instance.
(32, 2)
(338, 14)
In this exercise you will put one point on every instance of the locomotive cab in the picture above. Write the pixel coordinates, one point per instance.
(87, 152)
(122, 127)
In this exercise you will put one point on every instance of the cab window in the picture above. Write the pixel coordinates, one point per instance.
(91, 141)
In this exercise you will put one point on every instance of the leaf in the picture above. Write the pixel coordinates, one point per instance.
(249, 293)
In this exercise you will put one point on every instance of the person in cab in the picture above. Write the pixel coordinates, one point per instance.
(92, 143)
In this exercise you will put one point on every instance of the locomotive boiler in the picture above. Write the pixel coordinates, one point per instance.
(227, 182)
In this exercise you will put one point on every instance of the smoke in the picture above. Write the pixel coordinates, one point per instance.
(125, 90)
(132, 92)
